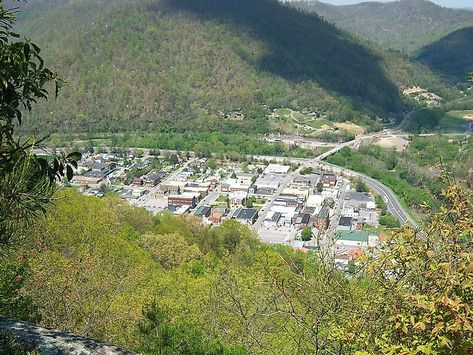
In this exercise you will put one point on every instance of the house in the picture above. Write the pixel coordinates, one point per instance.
(237, 198)
(272, 219)
(268, 182)
(287, 201)
(310, 180)
(137, 181)
(234, 185)
(276, 169)
(359, 200)
(245, 178)
(345, 224)
(86, 180)
(356, 240)
(216, 215)
(186, 199)
(301, 220)
(287, 214)
(323, 219)
(203, 212)
(152, 179)
(132, 194)
(172, 187)
(314, 201)
(300, 192)
(328, 180)
(246, 215)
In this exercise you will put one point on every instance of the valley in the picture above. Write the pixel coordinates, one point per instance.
(235, 177)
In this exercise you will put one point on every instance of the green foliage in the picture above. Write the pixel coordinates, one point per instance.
(389, 221)
(236, 57)
(169, 250)
(361, 186)
(307, 170)
(160, 335)
(425, 120)
(425, 285)
(449, 56)
(26, 181)
(401, 25)
(233, 145)
(13, 276)
(306, 234)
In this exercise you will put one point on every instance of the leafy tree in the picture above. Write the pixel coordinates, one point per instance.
(307, 170)
(306, 234)
(212, 164)
(389, 221)
(161, 335)
(26, 181)
(320, 186)
(169, 250)
(173, 159)
(425, 284)
(361, 186)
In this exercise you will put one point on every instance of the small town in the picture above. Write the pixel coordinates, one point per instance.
(283, 203)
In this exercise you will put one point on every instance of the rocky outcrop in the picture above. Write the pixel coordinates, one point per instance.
(55, 342)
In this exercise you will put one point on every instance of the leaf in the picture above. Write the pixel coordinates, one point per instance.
(420, 325)
(74, 156)
(69, 172)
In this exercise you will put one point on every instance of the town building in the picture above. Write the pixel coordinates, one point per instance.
(323, 219)
(186, 199)
(246, 215)
(328, 180)
(277, 169)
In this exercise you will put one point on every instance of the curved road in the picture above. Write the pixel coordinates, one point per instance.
(394, 206)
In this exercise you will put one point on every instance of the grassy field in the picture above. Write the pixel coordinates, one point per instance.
(455, 121)
(319, 123)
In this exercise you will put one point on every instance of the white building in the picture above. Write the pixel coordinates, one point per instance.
(277, 169)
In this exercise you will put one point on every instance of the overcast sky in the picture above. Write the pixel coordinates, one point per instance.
(447, 3)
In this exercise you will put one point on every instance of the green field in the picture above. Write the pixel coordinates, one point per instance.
(454, 121)
(319, 123)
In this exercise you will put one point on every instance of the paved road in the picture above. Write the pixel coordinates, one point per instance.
(394, 206)
(269, 203)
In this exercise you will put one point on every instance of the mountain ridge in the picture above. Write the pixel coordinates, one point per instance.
(167, 65)
(404, 25)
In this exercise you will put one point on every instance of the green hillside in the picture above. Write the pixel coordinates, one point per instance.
(405, 25)
(176, 65)
(451, 56)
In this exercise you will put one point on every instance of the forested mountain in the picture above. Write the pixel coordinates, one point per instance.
(405, 25)
(451, 56)
(176, 64)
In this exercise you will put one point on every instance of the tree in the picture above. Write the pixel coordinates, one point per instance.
(425, 285)
(320, 186)
(173, 159)
(306, 234)
(212, 164)
(361, 186)
(170, 250)
(26, 181)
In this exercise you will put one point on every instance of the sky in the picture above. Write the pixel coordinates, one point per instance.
(447, 3)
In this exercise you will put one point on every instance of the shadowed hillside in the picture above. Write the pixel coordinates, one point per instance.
(301, 47)
(452, 56)
(405, 25)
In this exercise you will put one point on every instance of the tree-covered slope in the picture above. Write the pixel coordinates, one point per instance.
(169, 64)
(451, 56)
(405, 25)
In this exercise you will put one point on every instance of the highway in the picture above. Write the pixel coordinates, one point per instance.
(394, 206)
